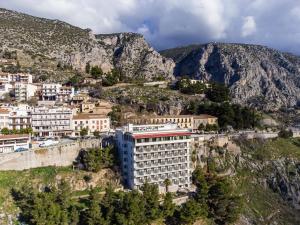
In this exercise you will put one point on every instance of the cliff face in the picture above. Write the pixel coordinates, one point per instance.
(256, 75)
(41, 45)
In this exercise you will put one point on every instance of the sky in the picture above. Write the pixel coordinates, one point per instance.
(172, 23)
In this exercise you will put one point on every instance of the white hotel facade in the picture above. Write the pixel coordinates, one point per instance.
(154, 153)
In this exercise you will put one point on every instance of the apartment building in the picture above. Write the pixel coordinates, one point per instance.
(154, 153)
(15, 77)
(56, 92)
(51, 122)
(4, 115)
(15, 142)
(23, 91)
(19, 119)
(183, 121)
(91, 122)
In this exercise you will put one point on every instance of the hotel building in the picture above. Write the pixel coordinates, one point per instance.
(183, 121)
(154, 153)
(51, 122)
(91, 122)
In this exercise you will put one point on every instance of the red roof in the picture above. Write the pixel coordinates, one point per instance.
(137, 136)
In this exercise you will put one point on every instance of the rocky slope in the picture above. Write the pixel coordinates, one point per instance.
(50, 46)
(256, 75)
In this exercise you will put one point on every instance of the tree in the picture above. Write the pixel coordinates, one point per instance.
(84, 132)
(167, 183)
(5, 131)
(96, 72)
(151, 198)
(96, 133)
(201, 127)
(218, 93)
(190, 212)
(285, 133)
(93, 215)
(168, 206)
(87, 67)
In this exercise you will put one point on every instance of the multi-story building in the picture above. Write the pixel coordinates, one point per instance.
(183, 121)
(11, 143)
(16, 77)
(154, 153)
(51, 122)
(19, 119)
(91, 122)
(23, 91)
(56, 92)
(50, 92)
(4, 115)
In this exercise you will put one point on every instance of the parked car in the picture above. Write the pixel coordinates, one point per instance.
(21, 149)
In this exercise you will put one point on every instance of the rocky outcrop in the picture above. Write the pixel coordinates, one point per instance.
(285, 179)
(49, 46)
(256, 75)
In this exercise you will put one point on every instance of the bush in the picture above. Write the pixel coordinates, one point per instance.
(285, 133)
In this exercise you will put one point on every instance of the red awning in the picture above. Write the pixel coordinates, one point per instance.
(156, 135)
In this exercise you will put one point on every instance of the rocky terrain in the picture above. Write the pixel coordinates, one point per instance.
(256, 75)
(50, 47)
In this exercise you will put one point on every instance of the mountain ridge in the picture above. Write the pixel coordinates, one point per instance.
(256, 75)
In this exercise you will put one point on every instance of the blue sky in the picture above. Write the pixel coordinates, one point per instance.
(171, 23)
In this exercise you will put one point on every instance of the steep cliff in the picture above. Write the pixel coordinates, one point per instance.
(256, 75)
(49, 46)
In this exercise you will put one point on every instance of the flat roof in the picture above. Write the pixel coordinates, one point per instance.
(201, 116)
(154, 135)
(89, 116)
(13, 136)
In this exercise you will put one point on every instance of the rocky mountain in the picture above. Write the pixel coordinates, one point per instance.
(256, 75)
(51, 47)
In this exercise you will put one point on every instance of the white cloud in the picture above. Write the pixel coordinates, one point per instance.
(170, 23)
(249, 26)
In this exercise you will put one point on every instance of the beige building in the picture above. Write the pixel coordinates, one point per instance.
(183, 121)
(14, 142)
(91, 122)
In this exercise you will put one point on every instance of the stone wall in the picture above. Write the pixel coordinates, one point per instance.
(59, 155)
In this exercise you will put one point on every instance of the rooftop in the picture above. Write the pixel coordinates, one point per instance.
(13, 136)
(84, 116)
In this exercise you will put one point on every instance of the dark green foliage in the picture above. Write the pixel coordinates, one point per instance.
(184, 85)
(84, 132)
(51, 206)
(95, 159)
(218, 93)
(216, 197)
(6, 131)
(283, 133)
(234, 115)
(111, 78)
(87, 67)
(190, 212)
(96, 72)
(168, 206)
(151, 198)
(75, 81)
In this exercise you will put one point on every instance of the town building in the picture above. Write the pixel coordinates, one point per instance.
(51, 122)
(25, 78)
(91, 122)
(154, 153)
(23, 91)
(11, 143)
(4, 118)
(56, 92)
(183, 121)
(19, 118)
